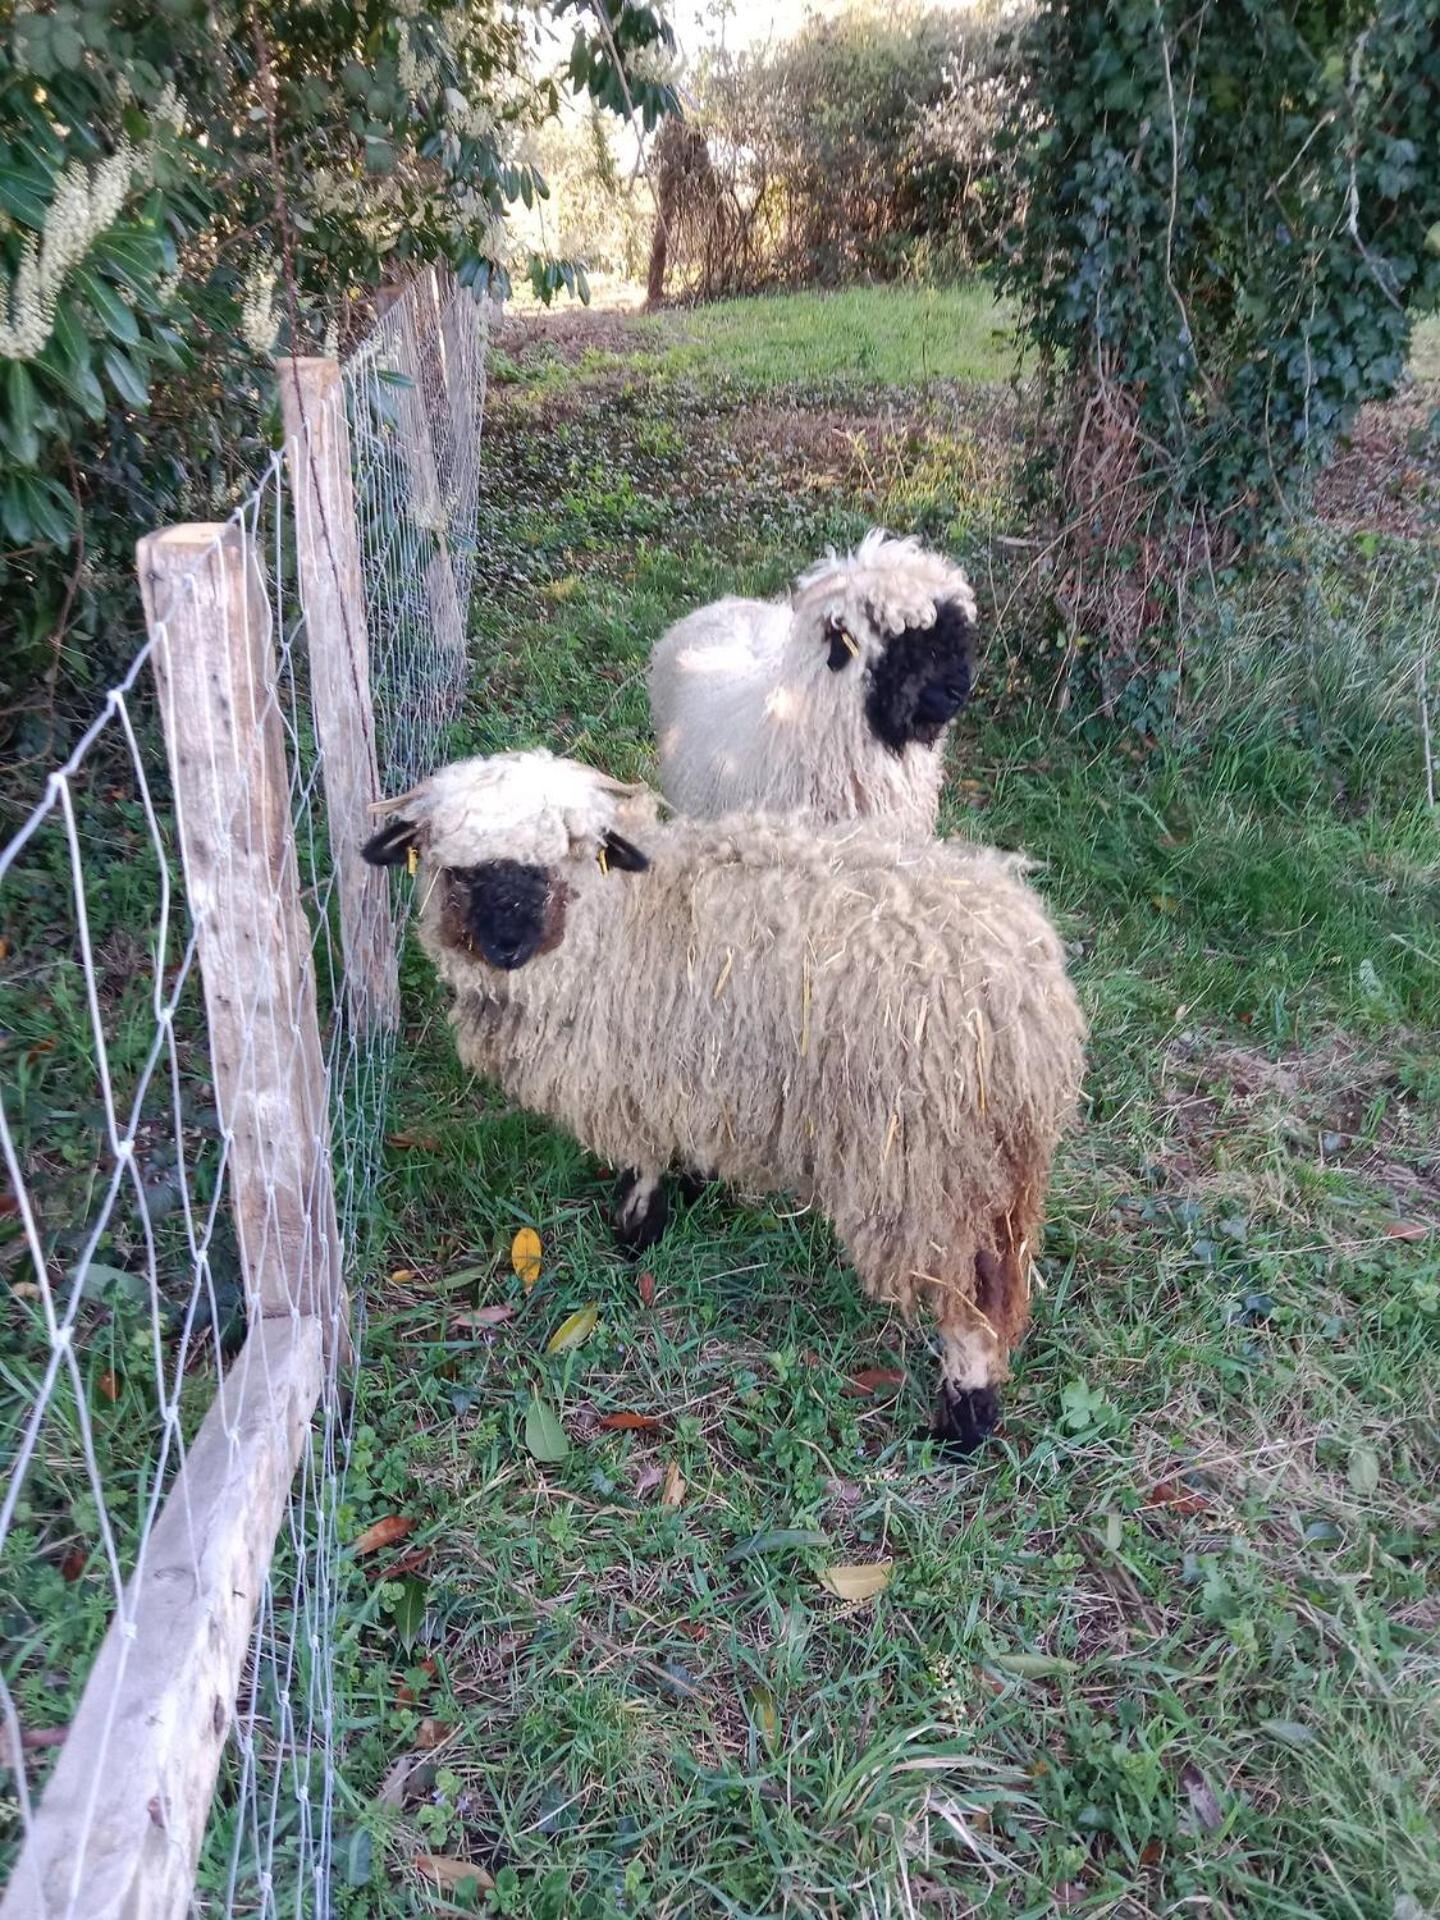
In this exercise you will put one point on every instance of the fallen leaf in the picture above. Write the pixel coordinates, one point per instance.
(647, 1480)
(544, 1435)
(1363, 1472)
(527, 1256)
(1292, 1732)
(1151, 1854)
(845, 1491)
(763, 1711)
(1203, 1804)
(646, 1284)
(673, 1491)
(432, 1733)
(406, 1138)
(451, 1875)
(410, 1609)
(383, 1533)
(875, 1380)
(407, 1563)
(1031, 1666)
(1407, 1230)
(463, 1277)
(492, 1316)
(858, 1583)
(25, 1290)
(401, 1276)
(9, 1206)
(773, 1539)
(629, 1423)
(410, 1776)
(72, 1564)
(109, 1386)
(574, 1330)
(1165, 1493)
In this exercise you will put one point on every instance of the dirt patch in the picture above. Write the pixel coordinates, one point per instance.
(1336, 1103)
(1387, 479)
(566, 335)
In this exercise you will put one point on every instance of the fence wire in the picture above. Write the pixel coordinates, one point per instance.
(128, 1220)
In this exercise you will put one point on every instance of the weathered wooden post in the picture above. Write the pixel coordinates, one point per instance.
(214, 660)
(332, 594)
(119, 1828)
(428, 505)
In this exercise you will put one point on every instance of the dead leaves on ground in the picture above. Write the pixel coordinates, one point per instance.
(857, 1583)
(382, 1533)
(527, 1256)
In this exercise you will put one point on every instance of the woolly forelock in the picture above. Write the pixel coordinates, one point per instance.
(529, 806)
(886, 1029)
(888, 582)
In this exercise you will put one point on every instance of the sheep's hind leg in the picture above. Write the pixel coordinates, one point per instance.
(975, 1356)
(639, 1210)
(969, 1407)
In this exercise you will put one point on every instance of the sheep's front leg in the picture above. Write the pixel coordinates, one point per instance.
(639, 1210)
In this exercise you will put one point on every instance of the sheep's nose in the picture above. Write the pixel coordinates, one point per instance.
(941, 700)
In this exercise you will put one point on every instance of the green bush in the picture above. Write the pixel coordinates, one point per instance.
(1233, 218)
(865, 147)
(185, 189)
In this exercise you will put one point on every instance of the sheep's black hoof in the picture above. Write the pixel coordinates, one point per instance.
(967, 1417)
(638, 1217)
(692, 1185)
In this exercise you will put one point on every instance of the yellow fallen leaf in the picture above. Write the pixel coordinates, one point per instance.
(574, 1330)
(526, 1256)
(858, 1583)
(450, 1875)
(673, 1491)
(401, 1275)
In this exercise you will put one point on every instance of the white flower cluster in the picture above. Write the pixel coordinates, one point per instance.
(419, 73)
(259, 322)
(469, 122)
(86, 201)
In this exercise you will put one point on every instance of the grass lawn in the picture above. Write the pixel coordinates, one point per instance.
(1172, 1644)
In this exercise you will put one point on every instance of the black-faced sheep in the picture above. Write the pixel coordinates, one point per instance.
(885, 1029)
(834, 702)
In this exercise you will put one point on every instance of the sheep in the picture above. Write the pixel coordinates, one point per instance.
(835, 702)
(883, 1028)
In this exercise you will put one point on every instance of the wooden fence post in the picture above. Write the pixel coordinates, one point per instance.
(332, 593)
(120, 1824)
(214, 659)
(429, 506)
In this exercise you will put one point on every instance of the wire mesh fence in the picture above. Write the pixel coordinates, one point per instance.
(199, 1009)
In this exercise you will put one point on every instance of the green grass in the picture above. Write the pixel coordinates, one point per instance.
(1173, 1644)
(896, 337)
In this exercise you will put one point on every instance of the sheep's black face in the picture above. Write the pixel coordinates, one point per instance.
(505, 907)
(921, 681)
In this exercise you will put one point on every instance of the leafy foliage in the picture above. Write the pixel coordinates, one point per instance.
(1229, 235)
(182, 190)
(866, 146)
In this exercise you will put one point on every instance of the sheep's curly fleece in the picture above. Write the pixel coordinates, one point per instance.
(886, 1029)
(749, 717)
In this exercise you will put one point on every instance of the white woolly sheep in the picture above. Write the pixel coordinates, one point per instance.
(835, 701)
(885, 1029)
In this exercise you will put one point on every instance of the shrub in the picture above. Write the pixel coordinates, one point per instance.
(1230, 227)
(863, 146)
(182, 190)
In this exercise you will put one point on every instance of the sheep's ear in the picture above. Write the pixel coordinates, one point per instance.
(619, 852)
(390, 847)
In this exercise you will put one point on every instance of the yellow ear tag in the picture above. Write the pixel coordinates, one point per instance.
(412, 860)
(601, 861)
(851, 642)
